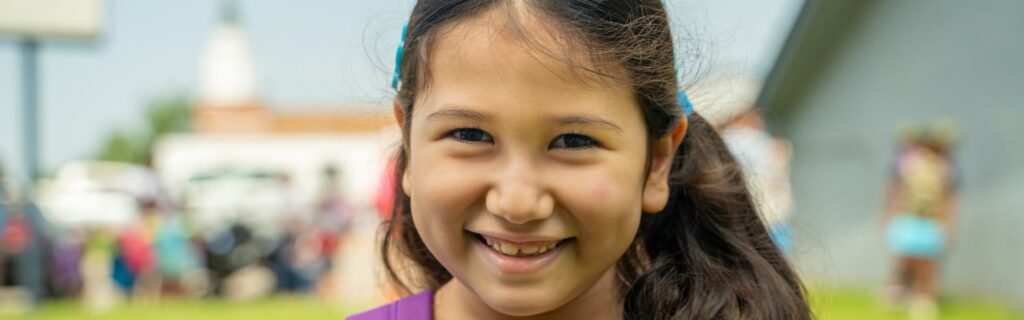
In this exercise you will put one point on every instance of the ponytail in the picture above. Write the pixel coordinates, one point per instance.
(707, 255)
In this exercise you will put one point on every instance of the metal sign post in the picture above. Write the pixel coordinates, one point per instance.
(33, 21)
(30, 104)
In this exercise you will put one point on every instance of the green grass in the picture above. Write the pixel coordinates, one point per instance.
(845, 304)
(837, 304)
(289, 308)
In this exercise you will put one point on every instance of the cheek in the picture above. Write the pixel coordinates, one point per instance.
(442, 197)
(611, 190)
(599, 193)
(439, 184)
(606, 207)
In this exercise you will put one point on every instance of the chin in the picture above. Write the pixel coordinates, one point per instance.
(518, 303)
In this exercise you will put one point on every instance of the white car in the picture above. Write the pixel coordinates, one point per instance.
(98, 194)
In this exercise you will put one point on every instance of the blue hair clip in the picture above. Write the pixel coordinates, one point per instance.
(398, 57)
(684, 102)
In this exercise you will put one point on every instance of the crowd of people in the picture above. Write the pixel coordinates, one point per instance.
(163, 252)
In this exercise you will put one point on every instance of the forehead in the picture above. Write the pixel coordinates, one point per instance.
(516, 51)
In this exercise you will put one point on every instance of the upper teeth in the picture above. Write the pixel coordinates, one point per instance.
(513, 249)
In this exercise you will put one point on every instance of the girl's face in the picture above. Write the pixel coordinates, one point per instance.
(526, 183)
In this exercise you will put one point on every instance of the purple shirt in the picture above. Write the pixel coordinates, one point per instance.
(415, 307)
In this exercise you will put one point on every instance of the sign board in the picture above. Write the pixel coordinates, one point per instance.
(62, 19)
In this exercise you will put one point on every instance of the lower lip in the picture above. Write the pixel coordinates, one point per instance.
(520, 265)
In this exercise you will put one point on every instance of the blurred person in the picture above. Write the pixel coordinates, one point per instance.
(728, 103)
(177, 259)
(335, 215)
(3, 184)
(384, 199)
(250, 282)
(765, 163)
(65, 262)
(197, 282)
(135, 265)
(281, 261)
(919, 216)
(298, 260)
(4, 200)
(5, 203)
(298, 248)
(230, 250)
(23, 245)
(305, 258)
(99, 286)
(332, 222)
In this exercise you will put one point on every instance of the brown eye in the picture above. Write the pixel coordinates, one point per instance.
(470, 135)
(574, 141)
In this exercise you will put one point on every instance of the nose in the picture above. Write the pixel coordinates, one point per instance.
(518, 195)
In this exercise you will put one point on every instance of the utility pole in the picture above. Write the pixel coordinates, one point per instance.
(30, 106)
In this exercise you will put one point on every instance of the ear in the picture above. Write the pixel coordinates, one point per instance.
(396, 107)
(406, 183)
(656, 189)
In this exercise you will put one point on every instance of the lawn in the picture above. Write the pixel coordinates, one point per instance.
(290, 308)
(845, 304)
(832, 304)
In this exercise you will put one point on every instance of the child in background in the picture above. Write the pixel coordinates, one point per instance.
(920, 214)
(765, 163)
(548, 171)
(99, 291)
(729, 104)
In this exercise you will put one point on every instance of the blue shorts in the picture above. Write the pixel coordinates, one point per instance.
(914, 236)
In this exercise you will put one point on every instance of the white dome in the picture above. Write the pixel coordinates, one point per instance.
(227, 71)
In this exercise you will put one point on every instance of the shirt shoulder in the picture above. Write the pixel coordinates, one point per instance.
(415, 307)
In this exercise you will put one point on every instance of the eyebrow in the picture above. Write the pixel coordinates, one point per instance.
(458, 113)
(586, 120)
(575, 119)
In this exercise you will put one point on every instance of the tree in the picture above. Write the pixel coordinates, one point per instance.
(164, 115)
(120, 147)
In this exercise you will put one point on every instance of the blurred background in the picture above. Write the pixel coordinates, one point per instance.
(228, 159)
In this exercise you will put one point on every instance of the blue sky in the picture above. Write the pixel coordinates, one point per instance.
(309, 53)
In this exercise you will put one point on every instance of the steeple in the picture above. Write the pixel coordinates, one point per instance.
(229, 13)
(227, 73)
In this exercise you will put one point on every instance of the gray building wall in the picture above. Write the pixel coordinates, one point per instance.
(909, 61)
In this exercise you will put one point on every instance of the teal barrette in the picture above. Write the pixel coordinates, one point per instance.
(398, 57)
(684, 102)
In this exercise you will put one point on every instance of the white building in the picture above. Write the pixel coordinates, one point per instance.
(233, 131)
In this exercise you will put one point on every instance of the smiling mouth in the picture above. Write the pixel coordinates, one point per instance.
(519, 249)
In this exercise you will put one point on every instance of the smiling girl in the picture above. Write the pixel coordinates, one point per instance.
(548, 171)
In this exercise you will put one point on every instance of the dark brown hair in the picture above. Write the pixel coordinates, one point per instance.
(707, 255)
